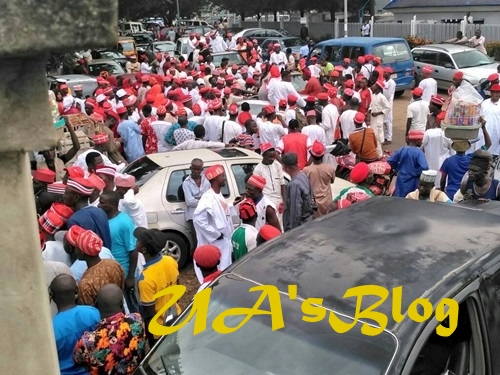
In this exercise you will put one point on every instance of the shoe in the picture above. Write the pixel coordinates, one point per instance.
(387, 143)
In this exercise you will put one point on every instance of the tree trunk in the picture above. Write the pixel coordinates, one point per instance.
(275, 15)
(302, 12)
(242, 14)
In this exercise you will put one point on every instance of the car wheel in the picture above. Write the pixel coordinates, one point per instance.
(399, 93)
(177, 248)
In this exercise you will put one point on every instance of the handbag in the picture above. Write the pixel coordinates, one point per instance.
(358, 158)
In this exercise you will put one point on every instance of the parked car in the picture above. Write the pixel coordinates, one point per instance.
(286, 42)
(394, 52)
(233, 57)
(182, 47)
(160, 177)
(88, 83)
(142, 39)
(324, 259)
(127, 28)
(99, 65)
(203, 30)
(110, 54)
(162, 47)
(259, 34)
(185, 23)
(446, 59)
(127, 46)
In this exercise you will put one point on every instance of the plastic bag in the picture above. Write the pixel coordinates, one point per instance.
(464, 107)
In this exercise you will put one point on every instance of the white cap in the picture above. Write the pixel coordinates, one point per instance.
(200, 81)
(428, 176)
(121, 93)
(182, 75)
(100, 98)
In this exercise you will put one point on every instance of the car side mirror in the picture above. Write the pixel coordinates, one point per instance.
(448, 66)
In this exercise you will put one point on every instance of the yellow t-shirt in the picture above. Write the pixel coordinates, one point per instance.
(157, 275)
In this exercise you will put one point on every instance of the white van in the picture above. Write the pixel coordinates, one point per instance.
(132, 28)
(184, 23)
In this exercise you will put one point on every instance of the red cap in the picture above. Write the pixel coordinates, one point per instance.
(318, 149)
(349, 83)
(214, 171)
(417, 91)
(243, 117)
(311, 99)
(493, 77)
(495, 88)
(265, 147)
(438, 100)
(207, 256)
(250, 81)
(282, 103)
(347, 60)
(311, 113)
(97, 181)
(233, 109)
(349, 92)
(121, 110)
(377, 59)
(181, 111)
(81, 186)
(368, 58)
(427, 69)
(361, 60)
(56, 188)
(50, 222)
(380, 84)
(73, 233)
(106, 170)
(62, 210)
(216, 104)
(89, 243)
(292, 98)
(323, 96)
(75, 172)
(388, 69)
(100, 139)
(145, 78)
(269, 109)
(44, 175)
(125, 181)
(359, 118)
(415, 135)
(227, 90)
(257, 181)
(359, 173)
(335, 73)
(247, 209)
(268, 232)
(458, 75)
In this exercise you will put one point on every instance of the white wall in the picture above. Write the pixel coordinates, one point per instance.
(489, 14)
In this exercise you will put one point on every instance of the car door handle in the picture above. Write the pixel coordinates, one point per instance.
(178, 211)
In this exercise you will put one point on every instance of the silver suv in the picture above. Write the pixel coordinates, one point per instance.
(446, 59)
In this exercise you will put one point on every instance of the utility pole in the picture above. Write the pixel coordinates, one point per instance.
(178, 13)
(345, 18)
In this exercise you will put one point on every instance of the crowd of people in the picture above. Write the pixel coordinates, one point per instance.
(104, 266)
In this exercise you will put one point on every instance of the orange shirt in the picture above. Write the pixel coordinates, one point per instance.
(367, 150)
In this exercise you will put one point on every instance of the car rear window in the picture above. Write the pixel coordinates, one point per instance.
(230, 153)
(95, 69)
(292, 42)
(127, 46)
(234, 58)
(142, 169)
(392, 52)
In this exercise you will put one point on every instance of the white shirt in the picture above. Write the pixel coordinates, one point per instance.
(193, 193)
(145, 68)
(347, 71)
(315, 133)
(491, 113)
(330, 117)
(80, 162)
(274, 180)
(291, 115)
(367, 70)
(347, 122)
(213, 126)
(478, 43)
(193, 144)
(261, 207)
(269, 132)
(436, 148)
(231, 130)
(366, 29)
(278, 59)
(389, 90)
(161, 128)
(218, 44)
(379, 103)
(429, 85)
(418, 112)
(211, 219)
(231, 44)
(280, 90)
(190, 46)
(134, 207)
(315, 70)
(54, 252)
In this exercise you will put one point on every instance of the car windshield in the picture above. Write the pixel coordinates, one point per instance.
(142, 169)
(96, 69)
(255, 108)
(292, 42)
(255, 349)
(298, 82)
(164, 47)
(471, 58)
(392, 52)
(234, 58)
(111, 55)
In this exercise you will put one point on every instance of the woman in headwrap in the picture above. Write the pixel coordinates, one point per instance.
(479, 185)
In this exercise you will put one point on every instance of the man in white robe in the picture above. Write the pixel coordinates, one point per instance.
(379, 107)
(490, 112)
(212, 219)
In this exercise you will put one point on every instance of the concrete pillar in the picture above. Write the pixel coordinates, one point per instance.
(25, 125)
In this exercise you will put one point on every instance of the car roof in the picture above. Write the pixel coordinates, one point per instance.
(102, 61)
(358, 41)
(169, 159)
(384, 241)
(75, 77)
(445, 47)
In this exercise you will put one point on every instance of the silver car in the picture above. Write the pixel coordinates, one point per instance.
(446, 59)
